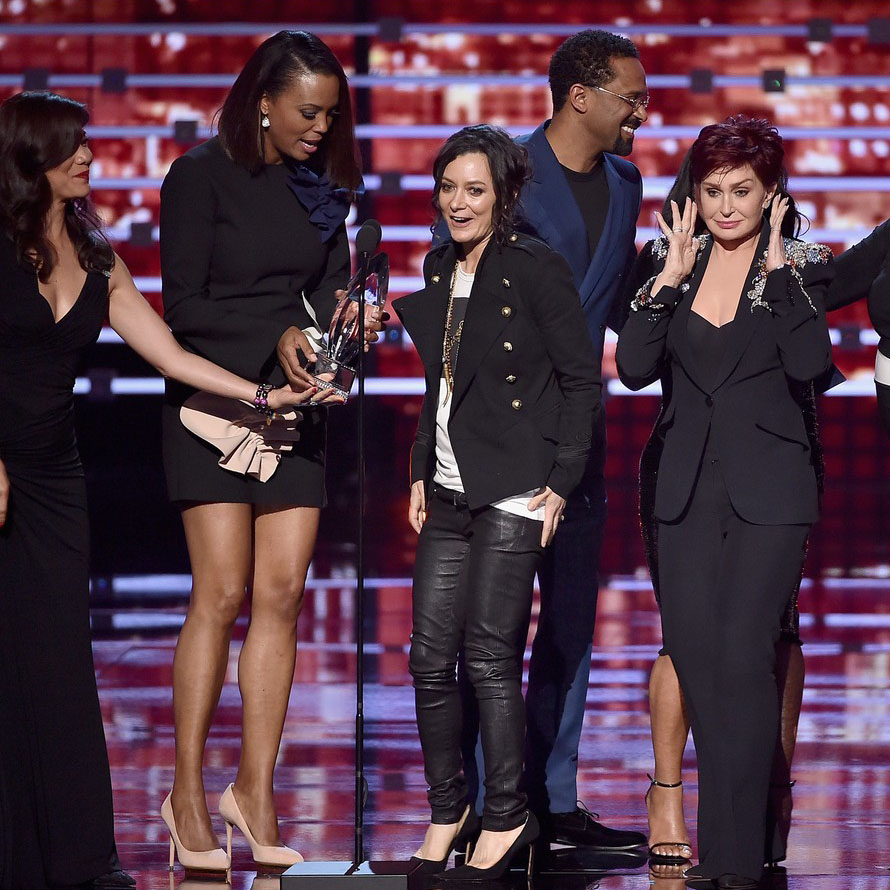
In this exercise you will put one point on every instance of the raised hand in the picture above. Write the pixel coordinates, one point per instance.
(682, 245)
(775, 255)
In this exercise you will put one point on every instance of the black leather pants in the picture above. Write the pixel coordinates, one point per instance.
(473, 581)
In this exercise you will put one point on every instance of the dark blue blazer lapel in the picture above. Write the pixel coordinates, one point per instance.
(610, 256)
(550, 206)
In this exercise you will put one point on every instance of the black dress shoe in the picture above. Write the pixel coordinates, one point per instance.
(113, 880)
(737, 882)
(579, 828)
(697, 881)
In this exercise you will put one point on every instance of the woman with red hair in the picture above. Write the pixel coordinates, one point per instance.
(730, 316)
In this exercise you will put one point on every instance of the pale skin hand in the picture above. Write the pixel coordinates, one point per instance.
(141, 327)
(553, 512)
(775, 255)
(417, 506)
(4, 494)
(682, 246)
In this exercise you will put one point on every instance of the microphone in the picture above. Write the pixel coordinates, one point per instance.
(368, 237)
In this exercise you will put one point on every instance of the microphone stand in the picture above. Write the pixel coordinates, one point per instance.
(358, 855)
(355, 874)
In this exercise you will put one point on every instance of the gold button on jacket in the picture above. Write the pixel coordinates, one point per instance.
(517, 404)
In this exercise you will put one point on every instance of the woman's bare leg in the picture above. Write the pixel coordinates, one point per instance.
(219, 538)
(670, 729)
(284, 541)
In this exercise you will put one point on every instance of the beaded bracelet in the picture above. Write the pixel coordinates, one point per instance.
(261, 399)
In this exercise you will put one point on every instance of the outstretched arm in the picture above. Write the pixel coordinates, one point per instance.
(140, 326)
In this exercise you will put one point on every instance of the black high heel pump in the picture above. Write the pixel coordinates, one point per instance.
(527, 836)
(463, 843)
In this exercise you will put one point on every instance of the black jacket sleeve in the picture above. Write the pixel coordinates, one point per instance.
(424, 448)
(796, 300)
(188, 208)
(641, 344)
(857, 269)
(561, 323)
(335, 276)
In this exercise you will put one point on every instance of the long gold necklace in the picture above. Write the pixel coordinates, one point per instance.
(451, 343)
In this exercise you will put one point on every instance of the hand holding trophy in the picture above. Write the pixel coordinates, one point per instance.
(337, 362)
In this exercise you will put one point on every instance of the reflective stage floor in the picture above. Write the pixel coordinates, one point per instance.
(841, 834)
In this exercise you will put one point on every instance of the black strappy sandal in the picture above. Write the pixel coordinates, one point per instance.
(663, 858)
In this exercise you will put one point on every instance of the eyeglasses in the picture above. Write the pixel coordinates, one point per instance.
(635, 103)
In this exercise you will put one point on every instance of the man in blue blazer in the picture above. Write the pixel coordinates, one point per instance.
(583, 200)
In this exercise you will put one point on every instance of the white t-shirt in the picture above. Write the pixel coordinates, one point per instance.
(447, 472)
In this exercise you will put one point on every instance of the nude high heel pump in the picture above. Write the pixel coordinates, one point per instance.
(263, 854)
(205, 861)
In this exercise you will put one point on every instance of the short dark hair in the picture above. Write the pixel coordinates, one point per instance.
(38, 131)
(507, 162)
(275, 63)
(584, 58)
(737, 141)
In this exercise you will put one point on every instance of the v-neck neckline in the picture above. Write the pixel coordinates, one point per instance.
(70, 309)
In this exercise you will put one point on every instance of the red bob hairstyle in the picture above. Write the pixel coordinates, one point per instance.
(738, 141)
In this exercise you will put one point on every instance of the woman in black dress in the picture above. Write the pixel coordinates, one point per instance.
(511, 394)
(734, 320)
(253, 254)
(59, 279)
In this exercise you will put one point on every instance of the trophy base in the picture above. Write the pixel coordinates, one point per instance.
(329, 384)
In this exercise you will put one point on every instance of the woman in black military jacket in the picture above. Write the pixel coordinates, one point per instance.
(503, 437)
(732, 319)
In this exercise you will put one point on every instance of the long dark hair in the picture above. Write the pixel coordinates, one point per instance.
(38, 131)
(507, 161)
(274, 65)
(737, 141)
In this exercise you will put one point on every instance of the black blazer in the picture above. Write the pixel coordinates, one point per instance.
(526, 387)
(864, 271)
(757, 427)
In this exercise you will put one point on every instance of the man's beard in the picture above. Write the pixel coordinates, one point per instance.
(624, 145)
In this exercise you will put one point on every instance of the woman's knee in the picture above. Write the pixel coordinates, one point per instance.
(485, 666)
(279, 600)
(430, 665)
(217, 601)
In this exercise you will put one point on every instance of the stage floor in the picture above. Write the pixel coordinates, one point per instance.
(841, 834)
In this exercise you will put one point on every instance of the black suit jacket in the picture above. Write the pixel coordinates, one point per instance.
(755, 423)
(526, 386)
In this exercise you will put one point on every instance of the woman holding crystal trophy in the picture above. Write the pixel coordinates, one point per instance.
(254, 259)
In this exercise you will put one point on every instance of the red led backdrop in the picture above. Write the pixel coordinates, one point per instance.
(155, 73)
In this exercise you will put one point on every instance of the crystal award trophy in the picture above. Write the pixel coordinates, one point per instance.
(337, 360)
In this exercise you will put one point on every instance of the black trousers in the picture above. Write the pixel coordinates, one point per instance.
(724, 586)
(473, 580)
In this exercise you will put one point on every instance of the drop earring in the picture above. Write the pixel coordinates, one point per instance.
(264, 122)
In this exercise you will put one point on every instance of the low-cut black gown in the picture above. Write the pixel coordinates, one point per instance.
(56, 821)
